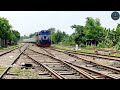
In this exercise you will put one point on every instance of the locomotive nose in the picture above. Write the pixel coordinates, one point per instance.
(44, 37)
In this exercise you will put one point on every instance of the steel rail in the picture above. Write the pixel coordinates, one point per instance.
(8, 68)
(72, 55)
(105, 66)
(71, 66)
(50, 70)
(10, 50)
(92, 55)
(91, 70)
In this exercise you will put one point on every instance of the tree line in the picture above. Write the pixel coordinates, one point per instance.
(7, 34)
(92, 34)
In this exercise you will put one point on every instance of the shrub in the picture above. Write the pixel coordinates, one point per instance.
(117, 46)
(101, 45)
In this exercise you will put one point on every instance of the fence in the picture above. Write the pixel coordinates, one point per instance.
(2, 42)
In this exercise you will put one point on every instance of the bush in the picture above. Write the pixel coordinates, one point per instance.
(101, 45)
(82, 45)
(109, 44)
(117, 46)
(106, 44)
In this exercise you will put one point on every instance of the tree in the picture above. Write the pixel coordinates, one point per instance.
(32, 35)
(16, 36)
(93, 30)
(118, 33)
(12, 37)
(52, 30)
(57, 36)
(79, 34)
(5, 28)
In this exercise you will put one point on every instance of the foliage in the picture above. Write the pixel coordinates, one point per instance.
(6, 32)
(58, 36)
(52, 30)
(92, 31)
(91, 35)
(32, 35)
(117, 46)
(5, 28)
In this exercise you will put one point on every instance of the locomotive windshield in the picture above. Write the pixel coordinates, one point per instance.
(44, 32)
(47, 32)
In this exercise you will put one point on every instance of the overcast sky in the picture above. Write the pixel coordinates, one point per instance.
(27, 22)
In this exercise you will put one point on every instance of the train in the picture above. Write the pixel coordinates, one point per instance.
(43, 38)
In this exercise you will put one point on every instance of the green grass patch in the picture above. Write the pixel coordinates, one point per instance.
(116, 55)
(27, 73)
(9, 47)
(20, 72)
(66, 48)
(86, 51)
(2, 68)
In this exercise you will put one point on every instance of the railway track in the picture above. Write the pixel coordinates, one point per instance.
(10, 66)
(11, 50)
(44, 72)
(50, 72)
(112, 62)
(89, 65)
(92, 55)
(54, 64)
(92, 73)
(60, 67)
(35, 71)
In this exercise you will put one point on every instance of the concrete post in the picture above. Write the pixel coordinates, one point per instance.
(76, 47)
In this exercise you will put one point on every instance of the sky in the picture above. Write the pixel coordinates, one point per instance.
(27, 22)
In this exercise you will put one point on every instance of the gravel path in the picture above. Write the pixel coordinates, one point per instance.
(8, 58)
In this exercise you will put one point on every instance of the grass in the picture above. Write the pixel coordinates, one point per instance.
(26, 73)
(86, 51)
(2, 68)
(116, 55)
(20, 72)
(66, 48)
(8, 48)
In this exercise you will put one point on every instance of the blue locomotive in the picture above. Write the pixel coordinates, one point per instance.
(43, 38)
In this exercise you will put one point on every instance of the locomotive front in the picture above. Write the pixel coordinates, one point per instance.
(43, 38)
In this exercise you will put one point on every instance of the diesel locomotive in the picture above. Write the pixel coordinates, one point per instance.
(43, 38)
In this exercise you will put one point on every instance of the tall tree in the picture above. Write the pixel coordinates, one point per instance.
(118, 33)
(32, 35)
(79, 34)
(93, 29)
(5, 28)
(17, 34)
(52, 30)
